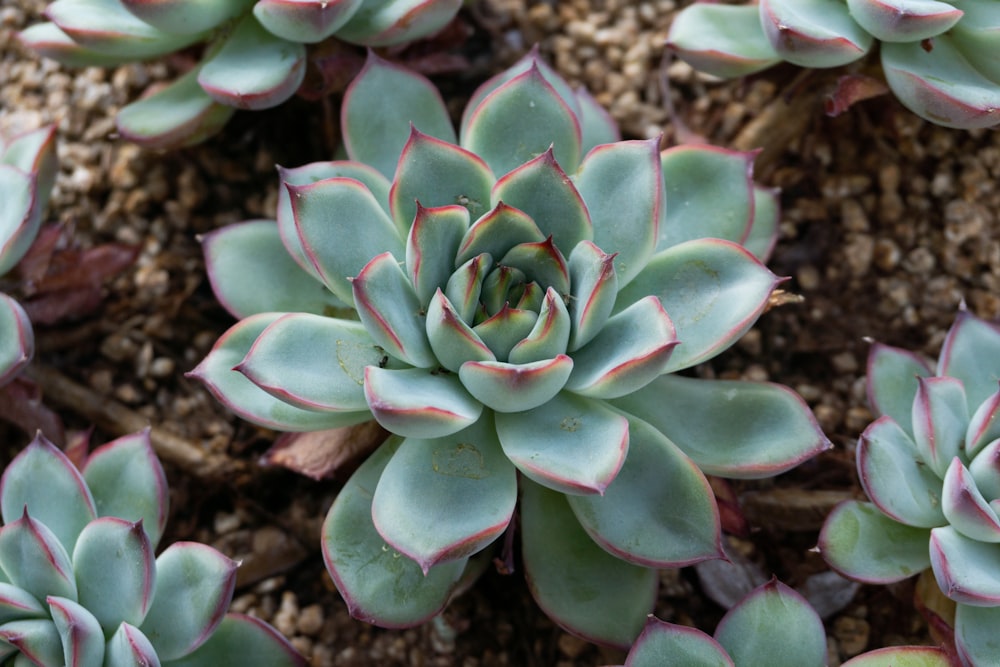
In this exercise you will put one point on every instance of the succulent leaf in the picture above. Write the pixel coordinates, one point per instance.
(965, 507)
(33, 152)
(985, 469)
(391, 313)
(593, 293)
(714, 291)
(17, 346)
(377, 139)
(129, 647)
(971, 352)
(496, 233)
(252, 272)
(519, 121)
(662, 644)
(549, 335)
(437, 173)
(242, 640)
(703, 194)
(763, 233)
(391, 22)
(42, 480)
(975, 634)
(307, 21)
(984, 427)
(80, 633)
(724, 40)
(940, 420)
(431, 247)
(891, 382)
(378, 583)
(901, 656)
(248, 400)
(507, 387)
(16, 604)
(185, 17)
(37, 640)
(313, 362)
(453, 341)
(659, 511)
(895, 478)
(178, 115)
(34, 559)
(596, 124)
(19, 215)
(49, 41)
(904, 20)
(542, 190)
(571, 444)
(965, 568)
(417, 403)
(756, 630)
(329, 211)
(194, 585)
(860, 542)
(108, 27)
(467, 470)
(579, 585)
(814, 33)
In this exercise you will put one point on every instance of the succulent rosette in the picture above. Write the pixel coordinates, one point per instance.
(79, 584)
(929, 466)
(511, 304)
(938, 57)
(27, 173)
(774, 626)
(254, 53)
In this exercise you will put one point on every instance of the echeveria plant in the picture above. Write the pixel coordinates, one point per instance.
(79, 585)
(774, 626)
(938, 57)
(929, 466)
(254, 54)
(27, 173)
(511, 303)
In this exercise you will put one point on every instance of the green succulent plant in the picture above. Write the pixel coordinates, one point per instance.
(79, 585)
(938, 57)
(511, 302)
(929, 466)
(774, 626)
(254, 54)
(27, 174)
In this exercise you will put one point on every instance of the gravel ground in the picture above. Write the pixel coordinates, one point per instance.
(888, 226)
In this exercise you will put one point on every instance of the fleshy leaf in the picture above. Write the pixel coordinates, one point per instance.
(17, 339)
(115, 571)
(466, 470)
(904, 20)
(306, 21)
(434, 173)
(985, 469)
(763, 233)
(49, 41)
(594, 285)
(965, 569)
(622, 185)
(975, 636)
(541, 262)
(44, 482)
(497, 232)
(550, 334)
(895, 478)
(375, 132)
(713, 291)
(892, 382)
(971, 353)
(597, 125)
(814, 33)
(431, 247)
(251, 272)
(391, 23)
(723, 40)
(379, 584)
(253, 69)
(33, 559)
(453, 341)
(107, 27)
(507, 387)
(571, 444)
(545, 193)
(180, 114)
(194, 586)
(251, 402)
(313, 362)
(37, 640)
(768, 429)
(80, 633)
(519, 120)
(709, 194)
(662, 644)
(19, 216)
(659, 511)
(34, 152)
(508, 327)
(243, 640)
(967, 510)
(631, 350)
(576, 583)
(417, 403)
(391, 313)
(984, 427)
(860, 542)
(184, 17)
(773, 626)
(902, 656)
(17, 604)
(129, 647)
(940, 419)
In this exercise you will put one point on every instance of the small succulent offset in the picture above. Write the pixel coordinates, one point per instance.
(79, 585)
(937, 57)
(774, 626)
(511, 306)
(27, 173)
(254, 53)
(929, 465)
